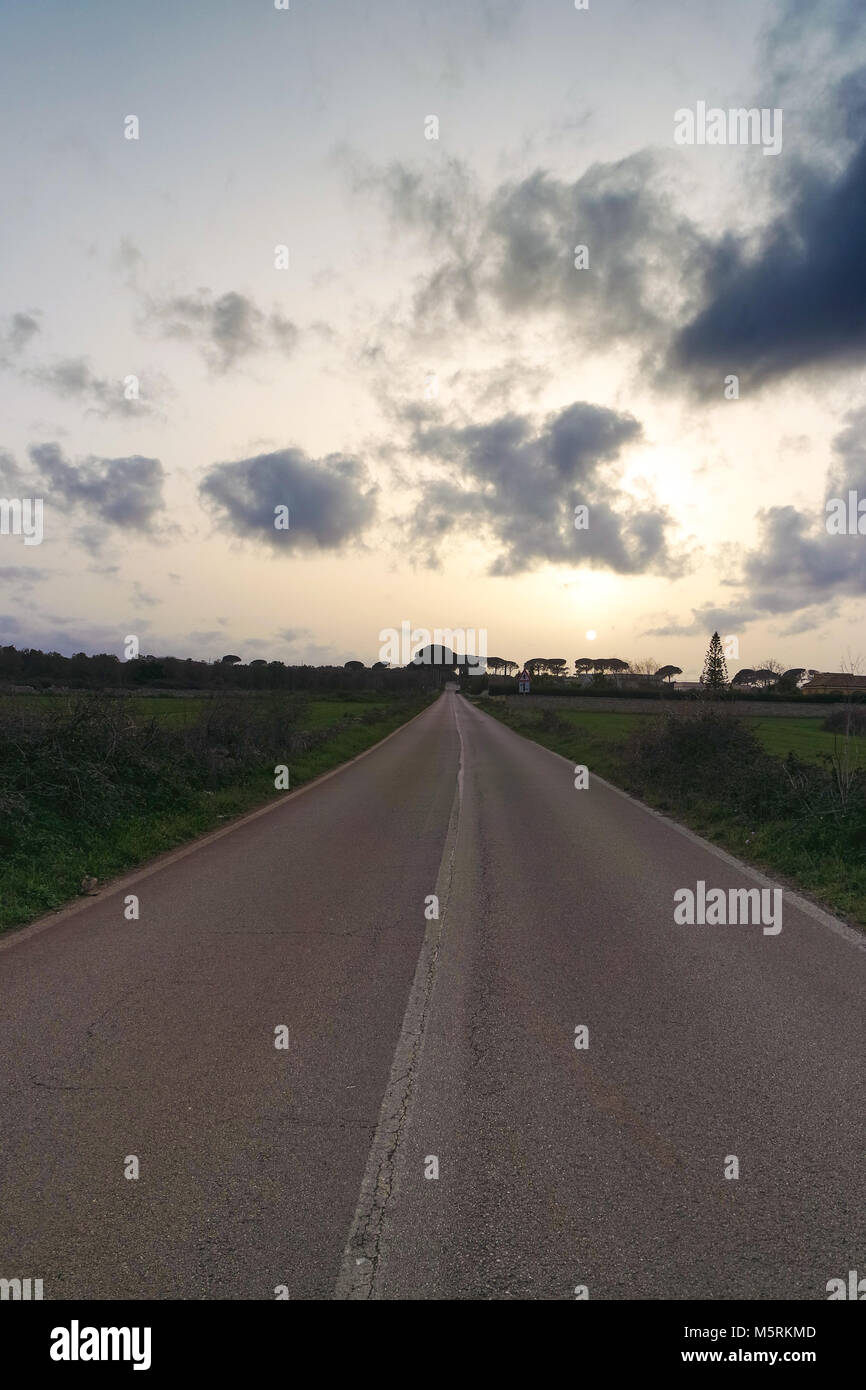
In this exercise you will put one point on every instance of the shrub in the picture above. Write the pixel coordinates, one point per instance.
(851, 719)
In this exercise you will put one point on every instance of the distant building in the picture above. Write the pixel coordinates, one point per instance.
(523, 682)
(834, 683)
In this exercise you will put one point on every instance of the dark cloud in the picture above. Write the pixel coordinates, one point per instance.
(125, 493)
(800, 300)
(228, 328)
(330, 500)
(793, 296)
(517, 486)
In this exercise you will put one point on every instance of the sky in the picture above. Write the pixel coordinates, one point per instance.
(324, 258)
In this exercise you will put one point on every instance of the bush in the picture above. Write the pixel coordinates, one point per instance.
(91, 760)
(701, 754)
(849, 720)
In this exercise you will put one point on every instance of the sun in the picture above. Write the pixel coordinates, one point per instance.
(590, 636)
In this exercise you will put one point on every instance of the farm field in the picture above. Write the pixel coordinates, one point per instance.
(601, 730)
(181, 710)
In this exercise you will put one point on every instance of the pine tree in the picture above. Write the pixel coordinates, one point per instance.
(715, 673)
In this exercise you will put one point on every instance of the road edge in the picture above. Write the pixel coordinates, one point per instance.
(852, 935)
(12, 936)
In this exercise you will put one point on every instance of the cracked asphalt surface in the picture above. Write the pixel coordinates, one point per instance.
(558, 1168)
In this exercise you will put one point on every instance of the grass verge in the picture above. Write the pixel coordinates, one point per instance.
(90, 788)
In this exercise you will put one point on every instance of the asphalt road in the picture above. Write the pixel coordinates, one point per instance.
(412, 1038)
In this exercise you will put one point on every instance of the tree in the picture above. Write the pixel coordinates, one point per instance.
(231, 660)
(666, 673)
(715, 673)
(646, 667)
(790, 680)
(557, 665)
(744, 677)
(765, 677)
(434, 655)
(353, 666)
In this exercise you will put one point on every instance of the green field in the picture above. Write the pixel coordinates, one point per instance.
(805, 737)
(601, 732)
(319, 712)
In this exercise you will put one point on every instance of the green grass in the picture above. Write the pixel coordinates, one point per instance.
(319, 711)
(59, 849)
(805, 737)
(601, 732)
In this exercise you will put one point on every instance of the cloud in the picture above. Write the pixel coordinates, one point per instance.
(141, 598)
(330, 500)
(707, 619)
(764, 304)
(517, 486)
(17, 334)
(227, 328)
(797, 564)
(72, 378)
(127, 260)
(11, 478)
(800, 300)
(125, 493)
(515, 249)
(22, 576)
(796, 567)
